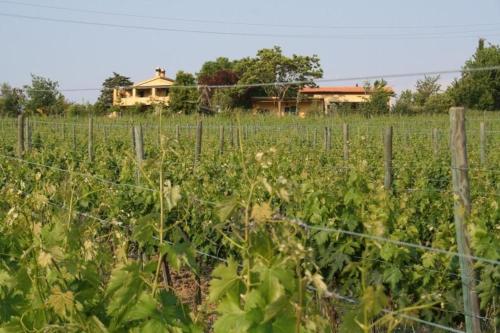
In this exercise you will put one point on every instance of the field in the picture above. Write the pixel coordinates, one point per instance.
(263, 224)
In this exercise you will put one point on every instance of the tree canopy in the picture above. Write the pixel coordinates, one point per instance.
(481, 89)
(105, 100)
(184, 100)
(11, 100)
(43, 96)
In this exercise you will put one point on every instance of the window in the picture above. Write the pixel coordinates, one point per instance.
(161, 92)
(143, 92)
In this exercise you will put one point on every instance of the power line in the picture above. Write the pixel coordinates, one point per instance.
(256, 24)
(329, 80)
(439, 35)
(393, 241)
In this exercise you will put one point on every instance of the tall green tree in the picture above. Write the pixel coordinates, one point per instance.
(426, 88)
(184, 100)
(11, 100)
(481, 89)
(105, 100)
(380, 95)
(43, 96)
(271, 65)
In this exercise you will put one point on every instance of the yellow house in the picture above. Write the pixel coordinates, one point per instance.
(315, 100)
(147, 92)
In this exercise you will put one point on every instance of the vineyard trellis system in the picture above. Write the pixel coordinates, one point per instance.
(388, 224)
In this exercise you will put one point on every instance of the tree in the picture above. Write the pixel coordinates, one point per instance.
(182, 99)
(405, 103)
(43, 96)
(11, 100)
(481, 89)
(105, 100)
(426, 88)
(379, 98)
(271, 65)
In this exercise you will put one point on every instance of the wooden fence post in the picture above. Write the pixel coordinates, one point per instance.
(73, 132)
(388, 158)
(139, 149)
(345, 131)
(28, 135)
(461, 210)
(327, 136)
(221, 139)
(20, 135)
(232, 135)
(435, 141)
(197, 148)
(482, 143)
(91, 139)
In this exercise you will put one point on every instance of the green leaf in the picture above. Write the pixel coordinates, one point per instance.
(225, 278)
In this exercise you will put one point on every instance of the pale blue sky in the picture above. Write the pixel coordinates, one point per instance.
(82, 56)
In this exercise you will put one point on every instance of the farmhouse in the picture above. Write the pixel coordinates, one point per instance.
(147, 92)
(315, 100)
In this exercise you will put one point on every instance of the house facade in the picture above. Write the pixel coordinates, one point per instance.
(152, 91)
(315, 100)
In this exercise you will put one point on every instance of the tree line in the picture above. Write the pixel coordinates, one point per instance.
(236, 79)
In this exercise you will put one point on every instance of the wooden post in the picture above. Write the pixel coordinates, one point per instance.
(20, 135)
(482, 143)
(132, 135)
(345, 131)
(91, 139)
(139, 149)
(327, 147)
(238, 139)
(435, 141)
(197, 148)
(73, 132)
(232, 135)
(461, 210)
(221, 139)
(388, 158)
(28, 135)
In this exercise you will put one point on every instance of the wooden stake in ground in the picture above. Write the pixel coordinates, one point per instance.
(197, 148)
(388, 158)
(482, 143)
(435, 142)
(91, 139)
(28, 135)
(461, 210)
(139, 149)
(221, 139)
(20, 135)
(345, 131)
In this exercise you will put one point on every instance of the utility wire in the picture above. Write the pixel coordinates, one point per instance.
(271, 84)
(257, 24)
(439, 35)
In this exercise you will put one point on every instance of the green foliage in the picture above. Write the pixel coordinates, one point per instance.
(43, 97)
(479, 90)
(81, 254)
(378, 102)
(271, 65)
(105, 100)
(11, 100)
(184, 100)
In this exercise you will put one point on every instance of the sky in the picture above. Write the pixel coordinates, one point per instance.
(352, 38)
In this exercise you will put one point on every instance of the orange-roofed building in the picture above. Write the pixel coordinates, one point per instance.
(316, 100)
(152, 91)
